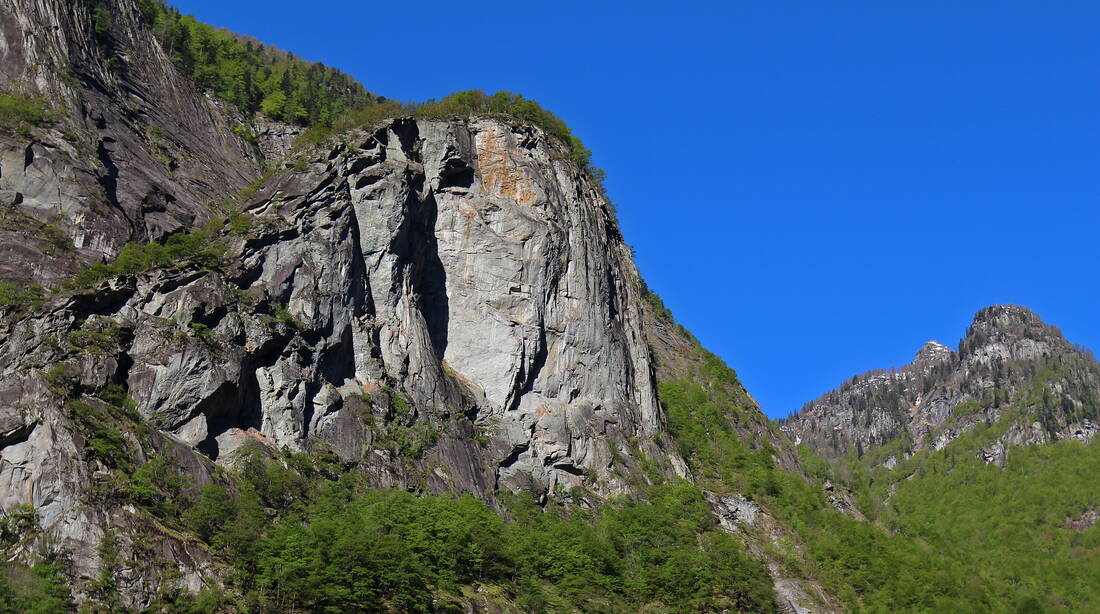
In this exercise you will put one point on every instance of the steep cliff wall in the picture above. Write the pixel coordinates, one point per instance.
(446, 305)
(440, 306)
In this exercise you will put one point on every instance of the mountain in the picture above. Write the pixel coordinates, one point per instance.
(271, 342)
(1010, 369)
(983, 455)
(134, 152)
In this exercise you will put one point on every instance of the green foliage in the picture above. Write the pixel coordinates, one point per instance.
(39, 589)
(103, 439)
(60, 381)
(253, 77)
(704, 435)
(17, 524)
(173, 599)
(113, 432)
(158, 486)
(281, 313)
(240, 224)
(461, 105)
(391, 550)
(659, 309)
(409, 442)
(363, 117)
(17, 299)
(104, 587)
(199, 247)
(507, 104)
(1012, 528)
(18, 113)
(966, 408)
(302, 535)
(868, 569)
(246, 133)
(249, 192)
(210, 512)
(101, 22)
(99, 339)
(989, 539)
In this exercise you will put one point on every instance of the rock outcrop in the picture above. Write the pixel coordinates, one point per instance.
(440, 305)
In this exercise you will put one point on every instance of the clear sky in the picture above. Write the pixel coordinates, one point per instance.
(815, 189)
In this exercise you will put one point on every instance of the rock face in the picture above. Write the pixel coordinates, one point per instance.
(1009, 365)
(458, 283)
(136, 152)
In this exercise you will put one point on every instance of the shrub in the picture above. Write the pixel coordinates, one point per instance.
(19, 113)
(39, 589)
(476, 102)
(198, 247)
(17, 299)
(158, 486)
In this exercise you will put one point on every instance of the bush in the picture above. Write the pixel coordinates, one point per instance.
(39, 589)
(476, 102)
(213, 510)
(198, 247)
(103, 440)
(18, 299)
(158, 486)
(391, 549)
(18, 113)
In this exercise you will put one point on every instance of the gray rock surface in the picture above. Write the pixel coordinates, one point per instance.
(447, 306)
(458, 282)
(136, 152)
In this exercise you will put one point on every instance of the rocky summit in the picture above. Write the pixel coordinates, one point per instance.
(270, 342)
(1009, 366)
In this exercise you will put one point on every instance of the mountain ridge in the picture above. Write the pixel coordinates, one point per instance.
(997, 359)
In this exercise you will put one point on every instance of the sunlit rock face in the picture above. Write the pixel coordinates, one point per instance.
(446, 305)
(464, 264)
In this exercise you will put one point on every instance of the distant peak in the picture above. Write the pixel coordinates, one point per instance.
(933, 350)
(1005, 314)
(1008, 326)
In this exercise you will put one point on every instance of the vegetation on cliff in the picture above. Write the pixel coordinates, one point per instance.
(250, 75)
(711, 419)
(283, 87)
(1024, 533)
(19, 113)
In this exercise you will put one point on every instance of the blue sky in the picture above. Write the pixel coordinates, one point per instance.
(815, 189)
